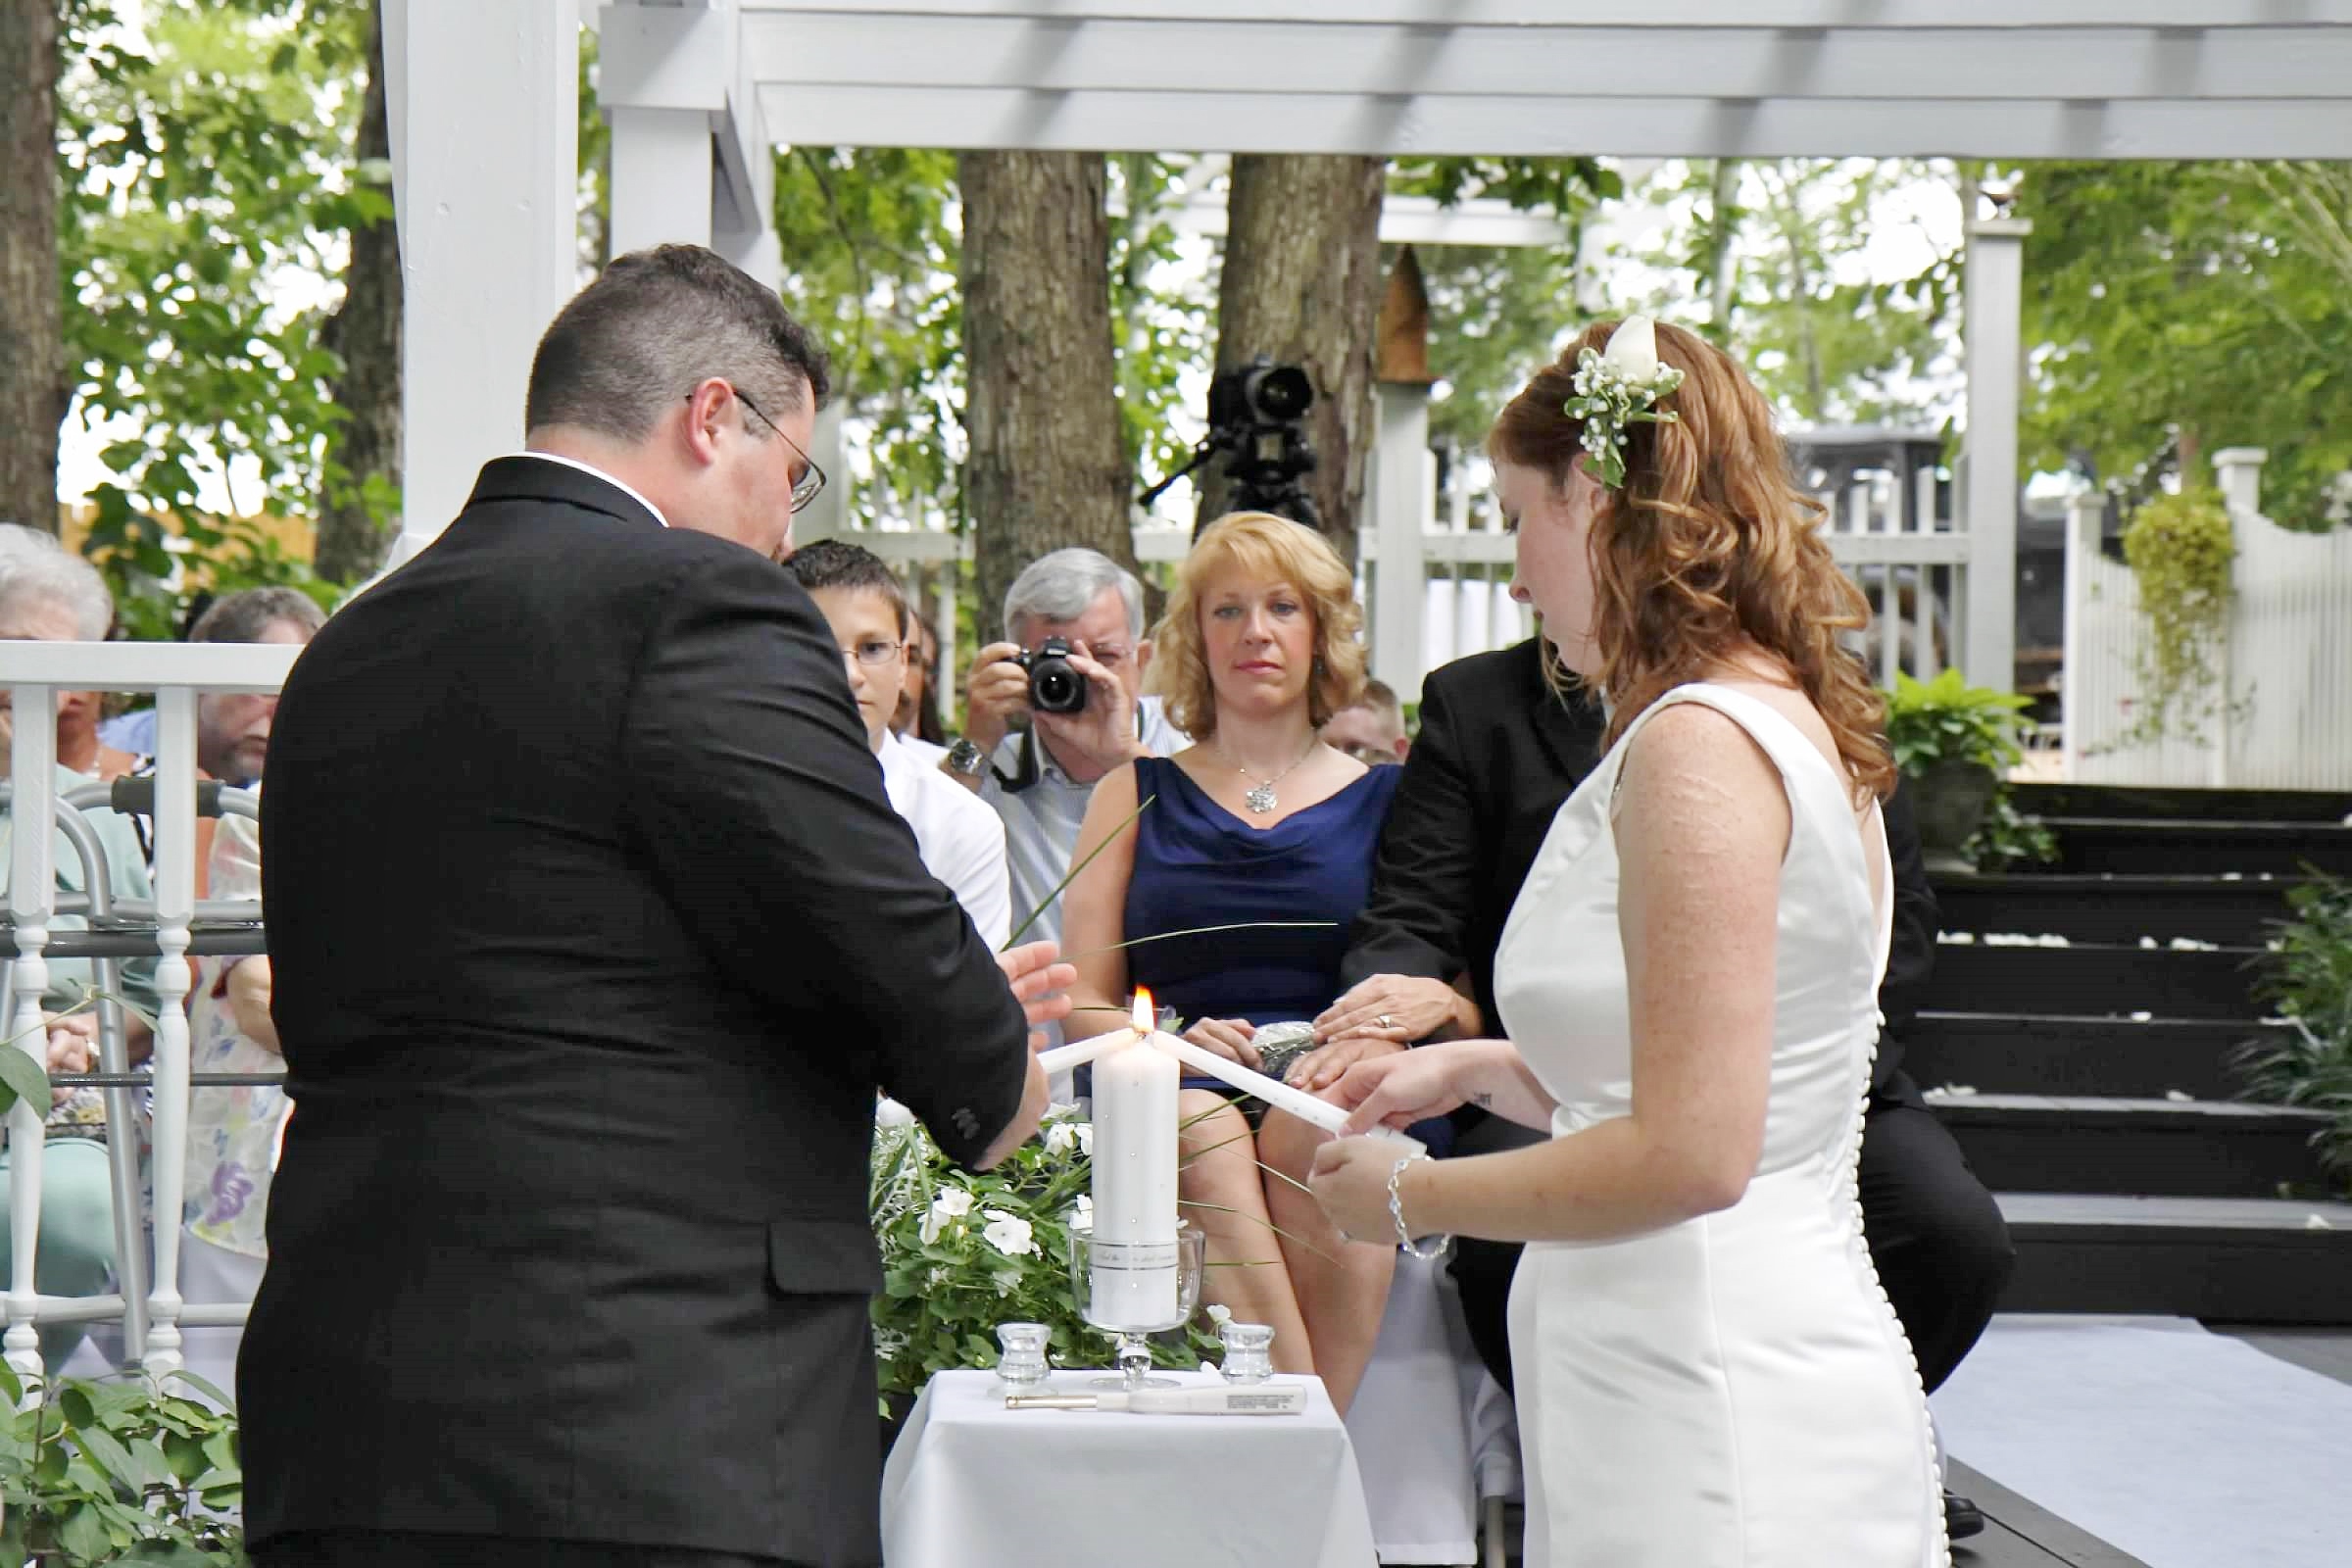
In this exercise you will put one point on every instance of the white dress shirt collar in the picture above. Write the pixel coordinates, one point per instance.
(620, 485)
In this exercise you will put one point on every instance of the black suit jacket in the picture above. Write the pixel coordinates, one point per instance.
(1497, 753)
(593, 935)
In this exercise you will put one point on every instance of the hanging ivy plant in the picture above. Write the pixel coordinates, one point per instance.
(2180, 548)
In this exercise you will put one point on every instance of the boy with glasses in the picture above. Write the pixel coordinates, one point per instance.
(962, 841)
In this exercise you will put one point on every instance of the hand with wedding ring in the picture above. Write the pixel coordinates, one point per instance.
(1399, 1009)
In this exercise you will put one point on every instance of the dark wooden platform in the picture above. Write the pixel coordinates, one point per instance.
(2033, 1054)
(2089, 979)
(2121, 910)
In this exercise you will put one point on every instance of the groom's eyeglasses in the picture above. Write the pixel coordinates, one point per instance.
(810, 480)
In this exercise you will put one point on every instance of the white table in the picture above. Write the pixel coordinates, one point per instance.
(973, 1485)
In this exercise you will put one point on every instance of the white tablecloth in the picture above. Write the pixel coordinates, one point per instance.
(973, 1485)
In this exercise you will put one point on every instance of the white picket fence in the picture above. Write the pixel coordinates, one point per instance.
(2286, 720)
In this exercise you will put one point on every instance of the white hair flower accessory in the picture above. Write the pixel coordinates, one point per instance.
(1618, 388)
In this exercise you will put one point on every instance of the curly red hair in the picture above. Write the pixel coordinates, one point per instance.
(1710, 545)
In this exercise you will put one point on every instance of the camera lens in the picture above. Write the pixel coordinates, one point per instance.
(1056, 688)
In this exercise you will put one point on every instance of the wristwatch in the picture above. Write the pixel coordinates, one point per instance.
(966, 759)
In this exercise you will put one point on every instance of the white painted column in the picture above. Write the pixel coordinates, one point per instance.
(31, 897)
(1990, 336)
(2237, 472)
(174, 907)
(830, 513)
(661, 178)
(2085, 515)
(1400, 512)
(483, 100)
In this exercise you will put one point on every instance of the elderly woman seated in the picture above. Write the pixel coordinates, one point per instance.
(48, 594)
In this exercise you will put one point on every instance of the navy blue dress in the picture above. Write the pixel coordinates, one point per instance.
(1198, 864)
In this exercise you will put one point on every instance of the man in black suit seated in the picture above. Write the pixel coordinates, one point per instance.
(594, 935)
(1497, 752)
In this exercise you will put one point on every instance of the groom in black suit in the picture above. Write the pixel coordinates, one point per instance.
(1498, 749)
(593, 935)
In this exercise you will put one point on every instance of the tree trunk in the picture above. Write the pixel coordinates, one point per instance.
(1048, 466)
(364, 451)
(1302, 285)
(34, 390)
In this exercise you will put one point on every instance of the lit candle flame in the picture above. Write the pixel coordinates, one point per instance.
(1144, 1016)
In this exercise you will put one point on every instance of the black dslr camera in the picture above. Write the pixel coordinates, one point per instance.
(1054, 686)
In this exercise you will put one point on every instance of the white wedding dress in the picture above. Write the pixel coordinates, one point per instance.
(1732, 1391)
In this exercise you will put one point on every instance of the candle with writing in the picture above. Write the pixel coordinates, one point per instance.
(1134, 1250)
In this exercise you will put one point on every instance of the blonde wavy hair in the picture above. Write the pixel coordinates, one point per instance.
(1708, 545)
(1266, 549)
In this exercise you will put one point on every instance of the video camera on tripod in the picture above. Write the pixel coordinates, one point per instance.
(1257, 421)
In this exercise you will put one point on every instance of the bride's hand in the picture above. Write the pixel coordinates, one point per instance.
(1351, 1181)
(1398, 1089)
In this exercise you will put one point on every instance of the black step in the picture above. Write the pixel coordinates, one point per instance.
(2156, 1147)
(2227, 1260)
(2116, 908)
(2117, 845)
(2028, 1053)
(2092, 980)
(2181, 805)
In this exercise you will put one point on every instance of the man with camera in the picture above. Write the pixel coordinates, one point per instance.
(1052, 709)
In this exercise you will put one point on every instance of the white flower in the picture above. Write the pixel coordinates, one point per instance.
(1062, 1137)
(1007, 1232)
(952, 1203)
(1086, 1139)
(1086, 1210)
(889, 1112)
(1219, 1315)
(1633, 349)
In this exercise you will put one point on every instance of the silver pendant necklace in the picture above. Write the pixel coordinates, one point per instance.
(1260, 797)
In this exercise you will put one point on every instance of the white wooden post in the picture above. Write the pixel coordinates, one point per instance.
(174, 907)
(1993, 292)
(1401, 511)
(483, 102)
(2086, 516)
(830, 513)
(661, 75)
(32, 896)
(2237, 472)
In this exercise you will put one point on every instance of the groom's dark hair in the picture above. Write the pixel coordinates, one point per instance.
(656, 324)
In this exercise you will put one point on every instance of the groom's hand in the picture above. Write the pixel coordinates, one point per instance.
(1039, 983)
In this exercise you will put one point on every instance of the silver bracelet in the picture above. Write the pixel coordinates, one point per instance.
(1432, 1247)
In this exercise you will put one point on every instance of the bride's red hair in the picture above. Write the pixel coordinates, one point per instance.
(1709, 545)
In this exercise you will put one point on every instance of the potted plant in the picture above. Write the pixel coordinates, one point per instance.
(1955, 742)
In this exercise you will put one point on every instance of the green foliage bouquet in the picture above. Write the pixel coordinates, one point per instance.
(966, 1251)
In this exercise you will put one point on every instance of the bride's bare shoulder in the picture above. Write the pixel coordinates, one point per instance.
(1693, 769)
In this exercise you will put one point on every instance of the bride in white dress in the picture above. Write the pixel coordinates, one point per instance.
(1709, 1375)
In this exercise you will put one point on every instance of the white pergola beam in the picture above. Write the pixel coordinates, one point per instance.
(1920, 126)
(2020, 14)
(691, 159)
(1411, 220)
(1331, 57)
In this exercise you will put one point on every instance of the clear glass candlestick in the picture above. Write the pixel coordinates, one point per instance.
(1023, 1368)
(1247, 1353)
(1132, 1342)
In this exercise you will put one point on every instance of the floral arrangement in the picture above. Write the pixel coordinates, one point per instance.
(1617, 388)
(966, 1251)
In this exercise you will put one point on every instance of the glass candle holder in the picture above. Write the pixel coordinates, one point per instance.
(1247, 1353)
(1023, 1368)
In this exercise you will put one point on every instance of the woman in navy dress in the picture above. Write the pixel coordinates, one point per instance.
(1257, 822)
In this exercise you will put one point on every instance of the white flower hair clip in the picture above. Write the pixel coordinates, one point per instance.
(1618, 388)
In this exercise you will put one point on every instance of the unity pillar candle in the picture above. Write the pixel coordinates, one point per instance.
(1134, 1249)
